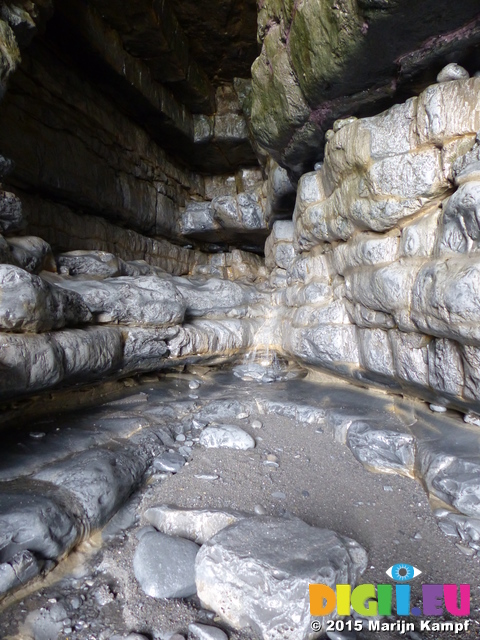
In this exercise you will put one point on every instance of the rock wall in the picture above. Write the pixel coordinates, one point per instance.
(377, 277)
(321, 61)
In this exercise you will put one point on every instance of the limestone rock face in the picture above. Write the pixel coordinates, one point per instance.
(146, 300)
(256, 573)
(381, 278)
(319, 63)
(28, 303)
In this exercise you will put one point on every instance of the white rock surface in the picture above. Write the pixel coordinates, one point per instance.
(257, 573)
(226, 436)
(198, 525)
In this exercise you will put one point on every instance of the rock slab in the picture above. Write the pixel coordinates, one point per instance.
(256, 573)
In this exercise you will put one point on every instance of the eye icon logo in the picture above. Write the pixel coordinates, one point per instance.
(403, 572)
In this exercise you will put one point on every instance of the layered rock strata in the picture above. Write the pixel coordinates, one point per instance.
(377, 273)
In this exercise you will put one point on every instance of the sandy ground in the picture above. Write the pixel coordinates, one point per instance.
(321, 483)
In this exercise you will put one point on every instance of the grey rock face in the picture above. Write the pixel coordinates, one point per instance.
(165, 566)
(146, 300)
(198, 525)
(36, 523)
(31, 253)
(100, 479)
(92, 263)
(226, 436)
(256, 573)
(11, 217)
(28, 303)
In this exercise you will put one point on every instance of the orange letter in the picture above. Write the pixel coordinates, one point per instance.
(322, 600)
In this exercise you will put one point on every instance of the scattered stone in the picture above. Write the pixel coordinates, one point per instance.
(257, 424)
(279, 495)
(171, 462)
(451, 72)
(438, 408)
(194, 384)
(198, 525)
(242, 416)
(180, 438)
(472, 418)
(387, 487)
(259, 510)
(37, 435)
(165, 566)
(271, 463)
(207, 476)
(257, 573)
(418, 536)
(203, 632)
(226, 437)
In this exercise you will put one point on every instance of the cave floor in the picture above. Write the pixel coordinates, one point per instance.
(93, 594)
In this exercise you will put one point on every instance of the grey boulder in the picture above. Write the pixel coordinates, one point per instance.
(256, 573)
(165, 566)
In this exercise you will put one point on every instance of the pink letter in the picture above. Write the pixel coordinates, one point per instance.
(451, 599)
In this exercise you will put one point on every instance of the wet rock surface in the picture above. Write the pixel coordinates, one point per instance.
(303, 426)
(256, 573)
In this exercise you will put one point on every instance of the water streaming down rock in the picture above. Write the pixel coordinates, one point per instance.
(160, 210)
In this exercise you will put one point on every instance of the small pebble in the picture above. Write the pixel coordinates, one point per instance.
(465, 550)
(194, 384)
(272, 458)
(418, 536)
(188, 443)
(193, 396)
(204, 632)
(242, 416)
(437, 408)
(305, 494)
(270, 463)
(256, 424)
(387, 487)
(278, 495)
(259, 510)
(180, 438)
(37, 435)
(319, 430)
(206, 476)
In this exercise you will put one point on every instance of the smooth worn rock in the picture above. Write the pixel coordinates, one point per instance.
(165, 566)
(146, 300)
(100, 479)
(451, 72)
(257, 573)
(28, 303)
(91, 263)
(198, 631)
(226, 436)
(171, 462)
(32, 254)
(198, 525)
(39, 524)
